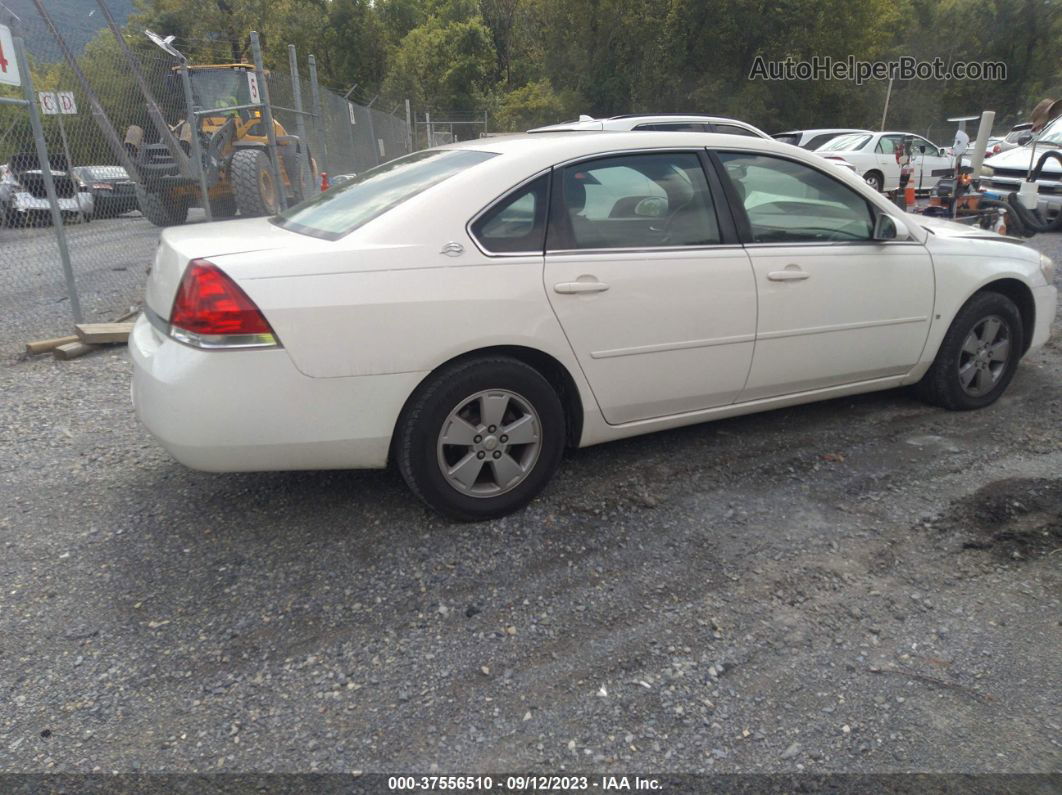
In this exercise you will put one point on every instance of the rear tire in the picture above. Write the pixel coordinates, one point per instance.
(490, 473)
(978, 357)
(252, 180)
(161, 209)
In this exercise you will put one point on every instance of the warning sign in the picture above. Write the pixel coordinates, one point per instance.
(8, 64)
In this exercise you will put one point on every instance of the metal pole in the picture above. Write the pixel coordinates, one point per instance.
(197, 150)
(885, 112)
(427, 120)
(300, 122)
(409, 129)
(484, 124)
(372, 131)
(104, 123)
(66, 152)
(315, 98)
(46, 172)
(267, 117)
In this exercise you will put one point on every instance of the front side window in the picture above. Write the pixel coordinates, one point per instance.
(355, 202)
(786, 201)
(633, 201)
(516, 223)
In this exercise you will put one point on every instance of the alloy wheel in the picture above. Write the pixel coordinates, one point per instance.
(984, 356)
(489, 443)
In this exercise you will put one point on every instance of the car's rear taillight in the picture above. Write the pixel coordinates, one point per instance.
(212, 311)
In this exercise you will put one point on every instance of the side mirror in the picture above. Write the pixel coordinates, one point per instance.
(1024, 138)
(888, 228)
(942, 152)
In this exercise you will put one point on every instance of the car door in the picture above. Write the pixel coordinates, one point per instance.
(834, 305)
(927, 159)
(650, 284)
(885, 156)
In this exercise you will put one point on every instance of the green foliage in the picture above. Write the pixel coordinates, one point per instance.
(539, 61)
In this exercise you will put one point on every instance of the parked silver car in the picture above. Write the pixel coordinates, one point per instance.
(24, 200)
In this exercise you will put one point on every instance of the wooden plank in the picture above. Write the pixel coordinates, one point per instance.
(72, 350)
(98, 333)
(43, 346)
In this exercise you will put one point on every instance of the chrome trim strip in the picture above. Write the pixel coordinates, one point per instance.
(567, 252)
(673, 346)
(900, 321)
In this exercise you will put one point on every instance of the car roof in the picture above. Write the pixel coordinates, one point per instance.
(563, 146)
(824, 130)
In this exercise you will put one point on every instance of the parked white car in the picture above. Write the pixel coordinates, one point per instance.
(468, 312)
(873, 156)
(813, 139)
(1008, 170)
(657, 122)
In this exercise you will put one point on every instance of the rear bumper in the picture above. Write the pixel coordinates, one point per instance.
(241, 411)
(27, 202)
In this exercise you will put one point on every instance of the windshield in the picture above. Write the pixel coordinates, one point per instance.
(345, 207)
(220, 88)
(845, 143)
(1052, 134)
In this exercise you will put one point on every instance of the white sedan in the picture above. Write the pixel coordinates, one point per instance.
(468, 312)
(873, 156)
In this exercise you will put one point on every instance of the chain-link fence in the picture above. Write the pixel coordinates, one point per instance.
(122, 171)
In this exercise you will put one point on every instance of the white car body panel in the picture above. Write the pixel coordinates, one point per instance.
(366, 318)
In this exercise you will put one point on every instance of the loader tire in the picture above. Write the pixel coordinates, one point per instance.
(253, 183)
(160, 209)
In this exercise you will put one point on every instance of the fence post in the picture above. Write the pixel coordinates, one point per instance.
(318, 116)
(46, 172)
(372, 132)
(300, 123)
(409, 129)
(66, 151)
(197, 151)
(267, 117)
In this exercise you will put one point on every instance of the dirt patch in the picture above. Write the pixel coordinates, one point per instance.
(1016, 518)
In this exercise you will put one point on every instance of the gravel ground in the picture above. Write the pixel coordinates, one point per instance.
(863, 585)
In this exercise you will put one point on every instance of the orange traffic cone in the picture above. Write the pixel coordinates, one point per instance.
(909, 196)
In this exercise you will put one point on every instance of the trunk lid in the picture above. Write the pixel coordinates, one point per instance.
(178, 245)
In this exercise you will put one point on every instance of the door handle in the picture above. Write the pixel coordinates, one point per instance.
(580, 287)
(792, 273)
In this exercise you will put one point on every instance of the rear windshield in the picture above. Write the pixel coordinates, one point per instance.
(354, 203)
(788, 138)
(845, 143)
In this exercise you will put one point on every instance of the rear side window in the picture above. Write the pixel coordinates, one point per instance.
(354, 203)
(517, 223)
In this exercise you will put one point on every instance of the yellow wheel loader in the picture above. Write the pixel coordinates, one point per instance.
(234, 145)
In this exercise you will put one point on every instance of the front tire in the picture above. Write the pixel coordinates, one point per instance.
(481, 438)
(252, 181)
(978, 357)
(874, 180)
